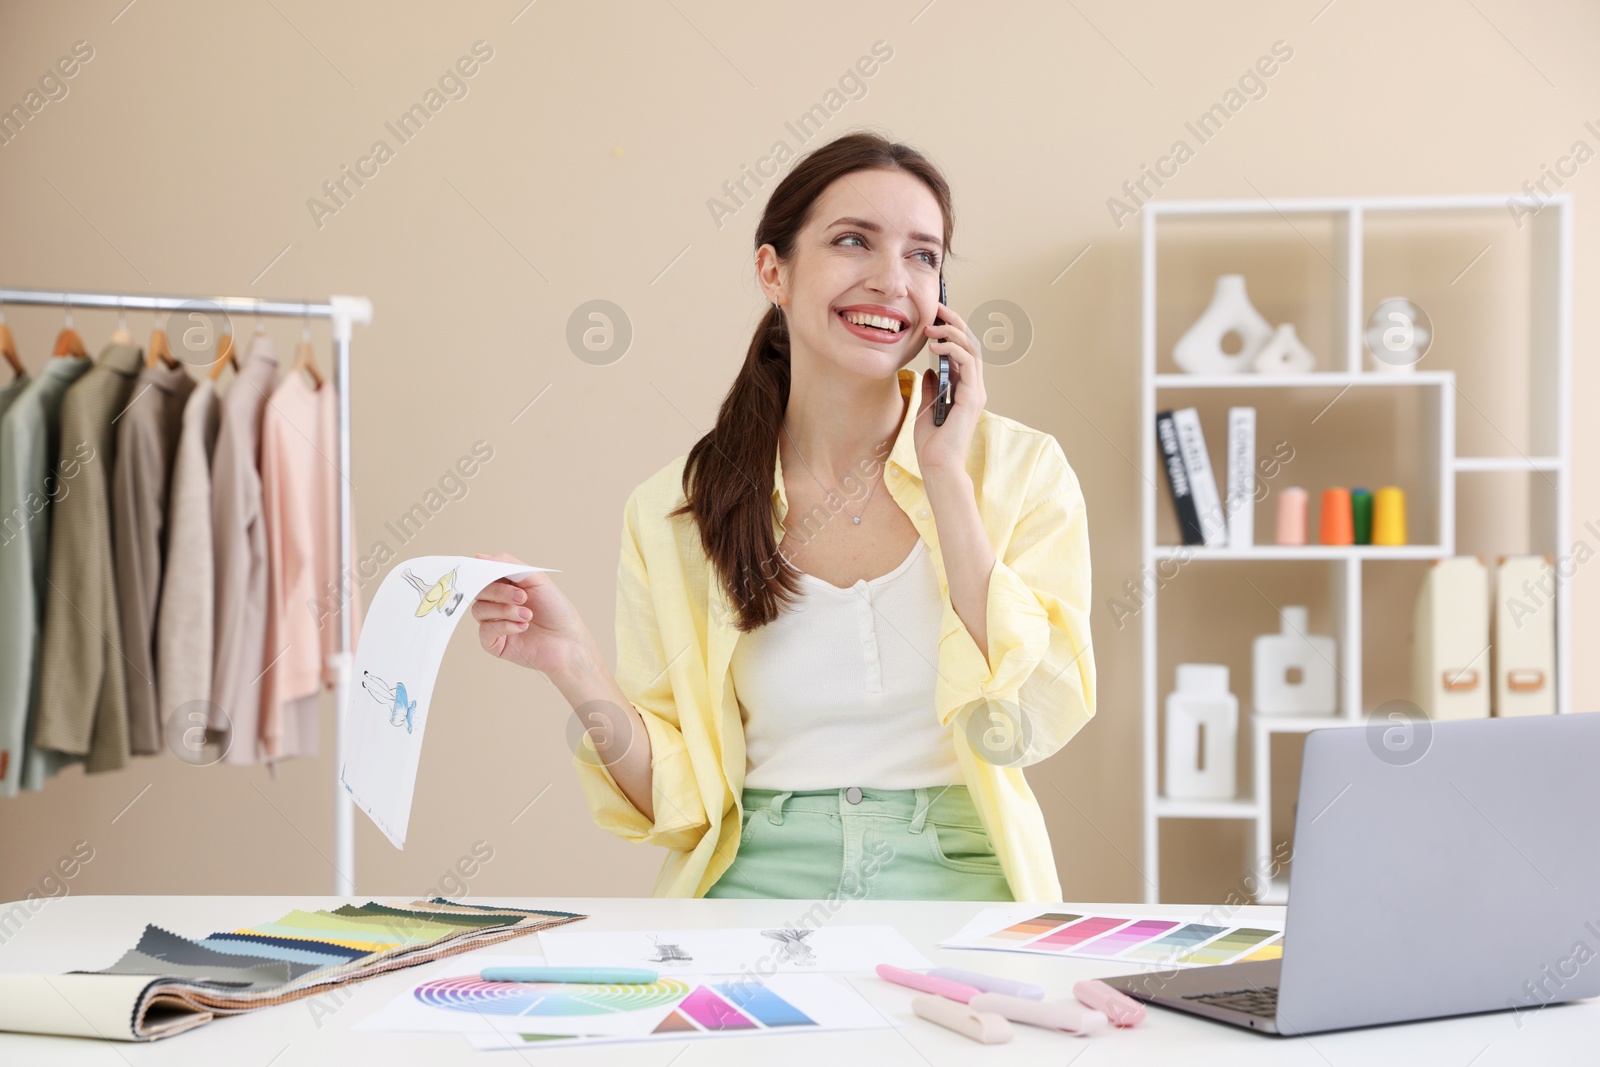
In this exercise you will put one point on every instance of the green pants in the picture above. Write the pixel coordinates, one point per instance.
(863, 844)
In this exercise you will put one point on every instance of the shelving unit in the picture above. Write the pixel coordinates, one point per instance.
(1429, 396)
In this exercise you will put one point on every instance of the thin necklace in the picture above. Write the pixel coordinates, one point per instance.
(853, 518)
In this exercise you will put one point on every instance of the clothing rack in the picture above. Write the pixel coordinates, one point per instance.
(342, 312)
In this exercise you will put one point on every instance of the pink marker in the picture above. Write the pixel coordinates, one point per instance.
(1116, 1005)
(927, 983)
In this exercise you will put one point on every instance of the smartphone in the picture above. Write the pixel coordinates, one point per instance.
(945, 397)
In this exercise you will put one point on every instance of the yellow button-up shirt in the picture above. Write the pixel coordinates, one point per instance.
(676, 630)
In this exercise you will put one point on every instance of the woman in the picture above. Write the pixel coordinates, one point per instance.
(825, 688)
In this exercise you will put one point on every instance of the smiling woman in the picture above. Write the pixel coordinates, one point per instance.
(819, 709)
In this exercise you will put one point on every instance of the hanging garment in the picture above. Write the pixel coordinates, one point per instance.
(10, 754)
(30, 442)
(240, 551)
(147, 440)
(300, 498)
(185, 638)
(297, 513)
(11, 390)
(83, 695)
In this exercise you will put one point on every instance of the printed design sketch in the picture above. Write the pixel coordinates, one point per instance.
(400, 709)
(442, 594)
(667, 952)
(795, 950)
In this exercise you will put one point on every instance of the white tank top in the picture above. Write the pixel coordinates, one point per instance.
(838, 689)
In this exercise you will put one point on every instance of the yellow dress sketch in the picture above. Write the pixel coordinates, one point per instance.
(441, 595)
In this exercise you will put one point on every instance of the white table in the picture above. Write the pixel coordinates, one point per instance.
(90, 932)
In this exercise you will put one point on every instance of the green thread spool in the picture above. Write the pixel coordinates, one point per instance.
(1361, 512)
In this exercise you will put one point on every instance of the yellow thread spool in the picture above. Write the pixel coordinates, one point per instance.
(1389, 516)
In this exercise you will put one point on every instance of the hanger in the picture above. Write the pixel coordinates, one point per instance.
(305, 356)
(122, 335)
(160, 350)
(8, 348)
(225, 356)
(68, 343)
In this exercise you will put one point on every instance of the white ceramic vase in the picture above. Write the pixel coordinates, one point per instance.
(1202, 735)
(1284, 353)
(1294, 672)
(1199, 350)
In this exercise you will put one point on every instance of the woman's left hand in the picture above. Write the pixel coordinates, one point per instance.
(945, 447)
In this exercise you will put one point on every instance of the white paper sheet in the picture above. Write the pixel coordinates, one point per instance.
(754, 951)
(547, 1014)
(403, 638)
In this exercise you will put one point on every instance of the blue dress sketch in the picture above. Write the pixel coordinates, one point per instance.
(400, 709)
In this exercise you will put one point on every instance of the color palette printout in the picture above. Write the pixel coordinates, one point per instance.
(675, 1007)
(1165, 941)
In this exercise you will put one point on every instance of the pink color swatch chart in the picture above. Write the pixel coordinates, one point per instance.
(1146, 939)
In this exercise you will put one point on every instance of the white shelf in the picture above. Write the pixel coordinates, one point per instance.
(1207, 809)
(1300, 724)
(1302, 552)
(1274, 893)
(1548, 365)
(1324, 205)
(1319, 380)
(1508, 463)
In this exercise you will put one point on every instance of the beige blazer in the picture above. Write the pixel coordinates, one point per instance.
(186, 616)
(239, 549)
(147, 438)
(83, 695)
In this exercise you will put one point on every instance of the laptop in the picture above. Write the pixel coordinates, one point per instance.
(1460, 876)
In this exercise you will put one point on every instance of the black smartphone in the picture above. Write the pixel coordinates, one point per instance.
(945, 397)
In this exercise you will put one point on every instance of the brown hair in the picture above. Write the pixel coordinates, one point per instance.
(727, 477)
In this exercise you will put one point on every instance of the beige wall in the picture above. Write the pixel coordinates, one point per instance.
(578, 166)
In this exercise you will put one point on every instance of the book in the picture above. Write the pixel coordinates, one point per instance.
(1202, 481)
(1241, 477)
(167, 983)
(1178, 479)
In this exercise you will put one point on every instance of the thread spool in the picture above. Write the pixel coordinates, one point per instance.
(1292, 506)
(1337, 527)
(1389, 516)
(1361, 515)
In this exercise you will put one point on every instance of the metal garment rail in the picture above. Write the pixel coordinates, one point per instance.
(342, 312)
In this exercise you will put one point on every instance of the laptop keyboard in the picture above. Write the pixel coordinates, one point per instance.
(1262, 1001)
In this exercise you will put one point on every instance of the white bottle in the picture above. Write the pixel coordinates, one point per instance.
(1202, 735)
(1311, 656)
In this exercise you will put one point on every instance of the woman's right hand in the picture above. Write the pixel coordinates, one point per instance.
(529, 621)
